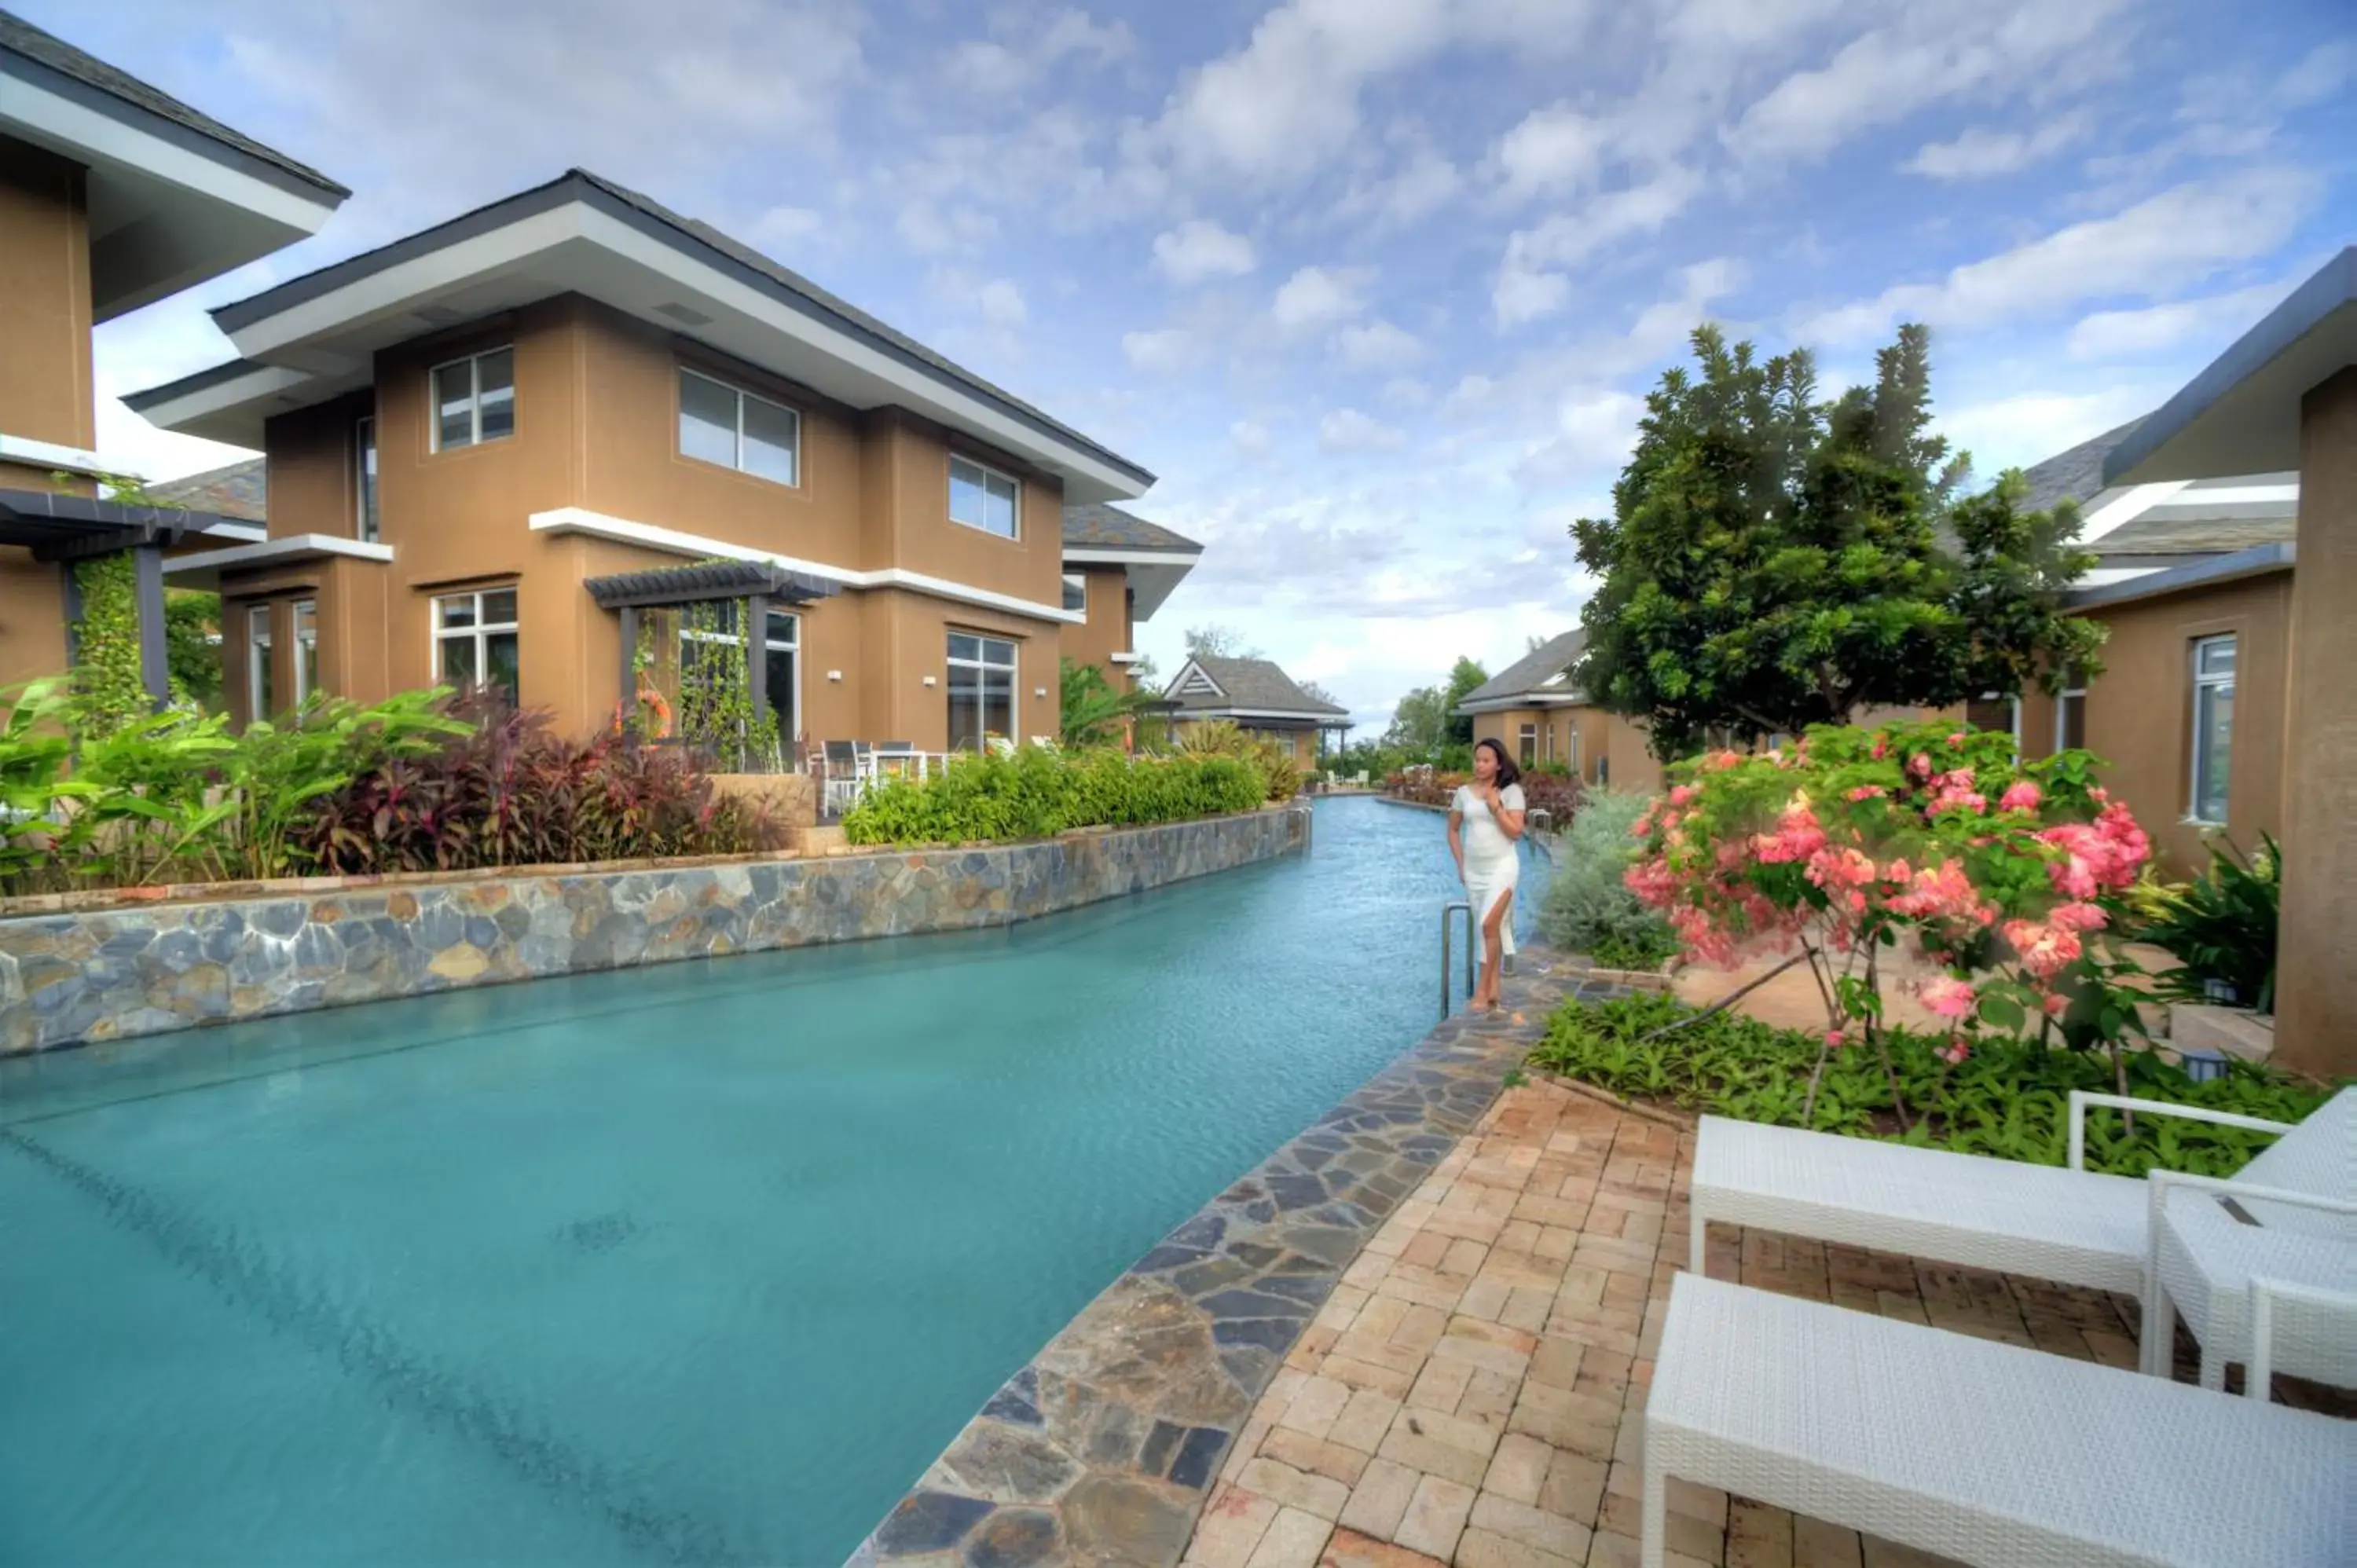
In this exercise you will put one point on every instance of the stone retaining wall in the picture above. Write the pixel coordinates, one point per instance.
(73, 977)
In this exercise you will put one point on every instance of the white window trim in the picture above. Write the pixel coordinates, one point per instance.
(2193, 715)
(480, 631)
(982, 468)
(257, 671)
(1078, 581)
(474, 396)
(303, 687)
(741, 395)
(364, 527)
(793, 645)
(2061, 712)
(1015, 675)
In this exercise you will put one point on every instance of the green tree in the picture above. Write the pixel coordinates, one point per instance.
(1093, 713)
(1466, 676)
(1419, 725)
(192, 646)
(1218, 641)
(1774, 561)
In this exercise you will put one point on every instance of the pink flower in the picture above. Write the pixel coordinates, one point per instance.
(1919, 765)
(1957, 739)
(1833, 1038)
(1955, 798)
(1681, 793)
(1865, 792)
(1956, 1051)
(1881, 747)
(1798, 835)
(2055, 1005)
(1949, 997)
(1942, 893)
(2020, 796)
(2077, 917)
(2046, 950)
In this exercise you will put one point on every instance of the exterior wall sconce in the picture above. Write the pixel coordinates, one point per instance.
(929, 681)
(1038, 691)
(835, 674)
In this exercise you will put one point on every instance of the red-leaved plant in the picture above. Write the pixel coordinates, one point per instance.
(1850, 840)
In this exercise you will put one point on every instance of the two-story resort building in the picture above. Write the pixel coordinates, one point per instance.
(501, 448)
(113, 195)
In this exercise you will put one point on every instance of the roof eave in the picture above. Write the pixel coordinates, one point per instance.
(2210, 572)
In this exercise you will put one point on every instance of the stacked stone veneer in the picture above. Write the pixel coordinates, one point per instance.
(102, 974)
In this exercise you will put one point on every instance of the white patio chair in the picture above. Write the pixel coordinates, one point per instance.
(2211, 1239)
(1979, 1451)
(2068, 1224)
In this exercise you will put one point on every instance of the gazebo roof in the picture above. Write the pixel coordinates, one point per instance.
(704, 581)
(56, 526)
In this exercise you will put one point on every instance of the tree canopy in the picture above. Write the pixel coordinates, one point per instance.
(1426, 719)
(1774, 561)
(1218, 641)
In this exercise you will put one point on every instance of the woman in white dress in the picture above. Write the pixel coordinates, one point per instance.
(1484, 821)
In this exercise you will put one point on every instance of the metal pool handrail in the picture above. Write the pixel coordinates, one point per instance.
(1446, 910)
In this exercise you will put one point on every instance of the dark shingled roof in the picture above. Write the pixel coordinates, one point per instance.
(2076, 475)
(1101, 527)
(1532, 670)
(237, 492)
(1249, 683)
(20, 38)
(657, 218)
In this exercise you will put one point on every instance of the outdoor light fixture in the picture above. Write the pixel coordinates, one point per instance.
(835, 674)
(1038, 691)
(929, 681)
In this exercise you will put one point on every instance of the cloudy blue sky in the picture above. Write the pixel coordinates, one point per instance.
(1375, 285)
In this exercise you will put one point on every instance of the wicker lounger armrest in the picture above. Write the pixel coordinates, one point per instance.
(2265, 1293)
(2082, 1099)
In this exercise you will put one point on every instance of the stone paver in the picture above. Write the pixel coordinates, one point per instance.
(1502, 1336)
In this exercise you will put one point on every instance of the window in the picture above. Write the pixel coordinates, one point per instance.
(306, 650)
(2070, 711)
(1076, 595)
(982, 497)
(260, 700)
(1530, 744)
(1995, 713)
(1571, 746)
(364, 471)
(718, 423)
(982, 689)
(475, 639)
(474, 400)
(2213, 727)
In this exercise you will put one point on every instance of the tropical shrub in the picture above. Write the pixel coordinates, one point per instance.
(1091, 713)
(1996, 867)
(1557, 794)
(2010, 1099)
(1280, 775)
(1028, 793)
(2221, 927)
(1587, 907)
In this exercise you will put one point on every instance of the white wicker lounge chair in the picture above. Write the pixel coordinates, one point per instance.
(2204, 1256)
(2068, 1224)
(1984, 1452)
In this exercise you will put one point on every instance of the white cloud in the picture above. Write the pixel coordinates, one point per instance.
(1002, 303)
(1377, 346)
(1201, 249)
(1552, 149)
(2028, 427)
(1594, 433)
(2119, 334)
(930, 228)
(1348, 430)
(2323, 72)
(2166, 243)
(1406, 392)
(784, 228)
(1981, 153)
(1319, 296)
(991, 69)
(1419, 188)
(1531, 281)
(1925, 55)
(1250, 438)
(1171, 348)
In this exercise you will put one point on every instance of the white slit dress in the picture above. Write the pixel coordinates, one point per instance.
(1493, 862)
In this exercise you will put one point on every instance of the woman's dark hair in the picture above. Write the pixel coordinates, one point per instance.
(1507, 772)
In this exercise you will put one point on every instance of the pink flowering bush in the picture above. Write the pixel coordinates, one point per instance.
(1850, 842)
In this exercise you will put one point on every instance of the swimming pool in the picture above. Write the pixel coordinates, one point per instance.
(694, 1264)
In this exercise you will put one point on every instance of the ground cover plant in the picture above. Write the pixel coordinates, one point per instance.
(1031, 791)
(2008, 1099)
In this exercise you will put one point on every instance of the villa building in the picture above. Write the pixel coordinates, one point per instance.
(1535, 709)
(518, 447)
(113, 195)
(1258, 698)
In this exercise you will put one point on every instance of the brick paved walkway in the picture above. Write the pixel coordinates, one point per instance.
(1470, 1392)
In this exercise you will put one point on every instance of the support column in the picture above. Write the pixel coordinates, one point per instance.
(70, 586)
(155, 668)
(627, 704)
(2316, 983)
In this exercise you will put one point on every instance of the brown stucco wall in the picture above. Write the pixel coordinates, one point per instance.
(2316, 1001)
(2140, 712)
(597, 427)
(45, 375)
(1109, 629)
(32, 616)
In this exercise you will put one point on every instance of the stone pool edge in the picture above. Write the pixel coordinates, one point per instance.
(1105, 1447)
(85, 976)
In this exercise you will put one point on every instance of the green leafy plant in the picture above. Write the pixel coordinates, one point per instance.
(107, 641)
(1588, 907)
(1032, 792)
(2222, 927)
(1092, 713)
(1280, 775)
(192, 646)
(2009, 1099)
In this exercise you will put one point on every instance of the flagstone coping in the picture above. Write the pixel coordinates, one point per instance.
(1104, 1448)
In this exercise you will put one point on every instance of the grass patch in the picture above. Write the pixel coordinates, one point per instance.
(2008, 1101)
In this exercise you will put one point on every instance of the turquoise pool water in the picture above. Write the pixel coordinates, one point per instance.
(694, 1264)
